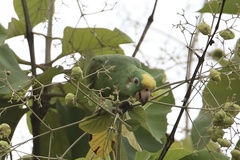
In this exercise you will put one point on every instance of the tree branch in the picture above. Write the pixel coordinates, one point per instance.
(34, 120)
(170, 138)
(49, 32)
(149, 22)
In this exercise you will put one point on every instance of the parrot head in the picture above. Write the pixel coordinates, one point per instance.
(141, 86)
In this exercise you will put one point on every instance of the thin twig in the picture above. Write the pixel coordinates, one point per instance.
(170, 138)
(149, 22)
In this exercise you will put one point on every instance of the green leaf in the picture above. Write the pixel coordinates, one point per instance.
(57, 141)
(231, 7)
(227, 88)
(47, 76)
(205, 154)
(16, 28)
(37, 10)
(177, 153)
(157, 115)
(70, 115)
(96, 123)
(199, 134)
(144, 155)
(133, 123)
(91, 40)
(138, 114)
(146, 140)
(11, 115)
(16, 79)
(3, 34)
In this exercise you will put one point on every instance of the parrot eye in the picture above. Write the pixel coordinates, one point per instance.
(136, 80)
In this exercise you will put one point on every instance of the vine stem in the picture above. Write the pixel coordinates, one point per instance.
(170, 138)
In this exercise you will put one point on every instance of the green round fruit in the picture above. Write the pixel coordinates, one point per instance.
(218, 133)
(227, 121)
(224, 142)
(4, 148)
(227, 34)
(77, 73)
(5, 130)
(236, 154)
(215, 75)
(204, 28)
(70, 99)
(220, 115)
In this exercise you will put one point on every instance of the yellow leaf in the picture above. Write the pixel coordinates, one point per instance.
(102, 143)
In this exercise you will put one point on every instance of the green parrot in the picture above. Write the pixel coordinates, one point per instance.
(108, 73)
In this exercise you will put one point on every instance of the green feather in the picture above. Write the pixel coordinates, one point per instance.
(106, 71)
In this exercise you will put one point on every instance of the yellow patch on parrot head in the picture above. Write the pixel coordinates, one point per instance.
(148, 81)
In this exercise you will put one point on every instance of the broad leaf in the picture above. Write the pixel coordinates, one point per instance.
(177, 153)
(133, 124)
(205, 154)
(47, 76)
(37, 10)
(156, 113)
(3, 34)
(96, 123)
(56, 141)
(70, 115)
(16, 28)
(138, 114)
(231, 7)
(12, 78)
(102, 143)
(144, 155)
(92, 40)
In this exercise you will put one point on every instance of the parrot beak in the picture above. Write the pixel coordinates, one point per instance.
(143, 96)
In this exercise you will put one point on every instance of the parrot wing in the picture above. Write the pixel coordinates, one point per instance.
(108, 72)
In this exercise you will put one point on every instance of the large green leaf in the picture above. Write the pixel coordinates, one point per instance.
(156, 113)
(47, 76)
(55, 142)
(37, 10)
(16, 79)
(199, 134)
(16, 28)
(92, 40)
(218, 93)
(144, 155)
(177, 153)
(205, 154)
(67, 116)
(96, 123)
(231, 7)
(3, 34)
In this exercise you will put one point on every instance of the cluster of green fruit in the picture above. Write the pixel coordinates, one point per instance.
(76, 75)
(205, 29)
(224, 118)
(5, 131)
